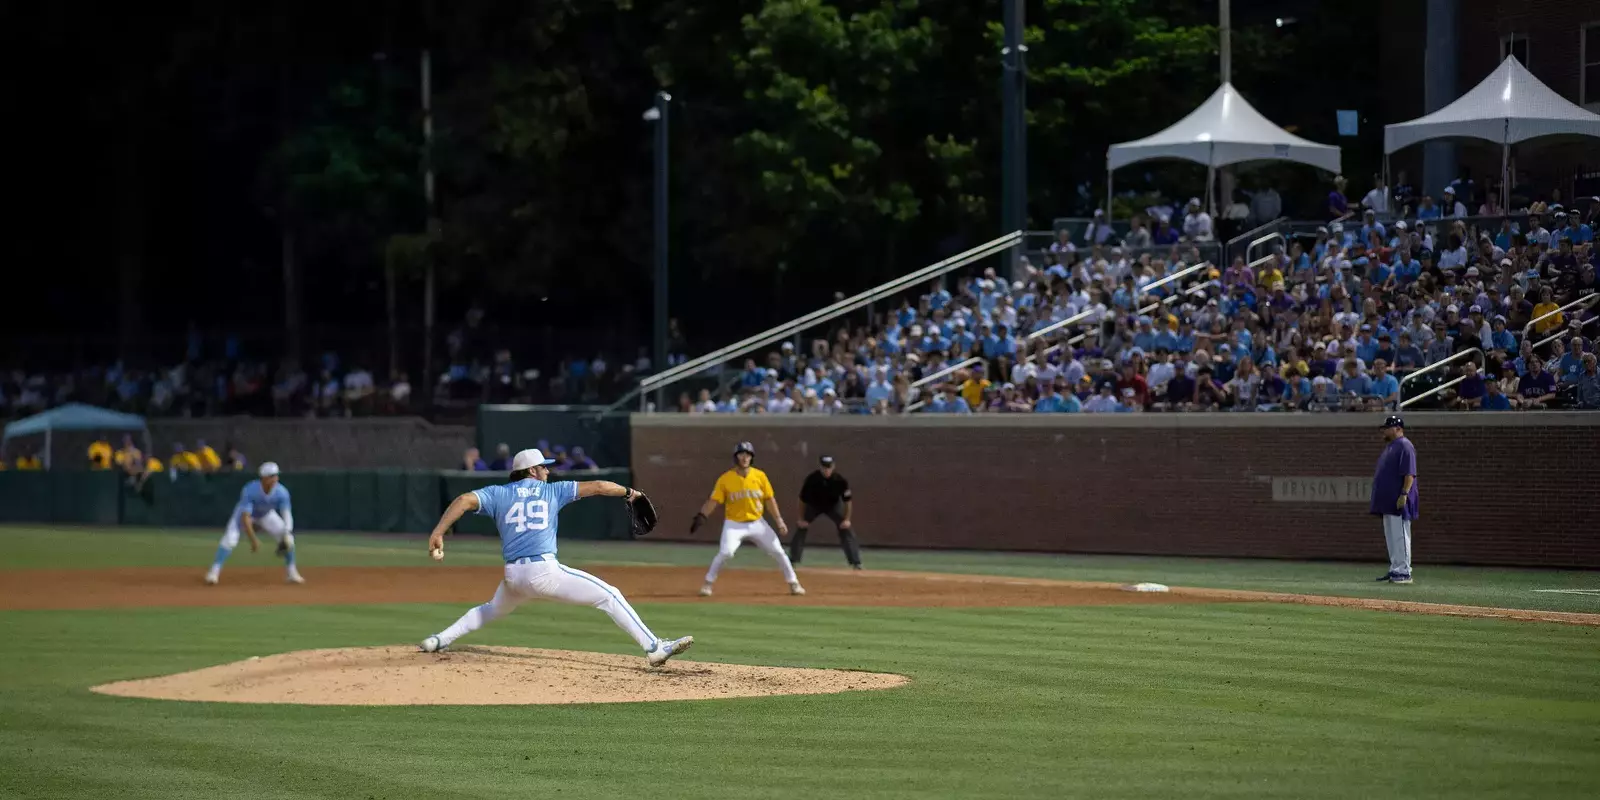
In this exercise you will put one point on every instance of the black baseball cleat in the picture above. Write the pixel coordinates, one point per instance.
(1386, 578)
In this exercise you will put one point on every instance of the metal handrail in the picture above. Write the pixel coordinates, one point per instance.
(665, 377)
(927, 379)
(1568, 330)
(1528, 328)
(1197, 289)
(1055, 326)
(1431, 392)
(1443, 362)
(1253, 231)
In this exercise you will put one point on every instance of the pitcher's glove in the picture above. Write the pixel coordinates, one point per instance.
(699, 519)
(641, 515)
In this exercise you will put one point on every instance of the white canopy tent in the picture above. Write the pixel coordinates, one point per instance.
(1507, 107)
(1224, 130)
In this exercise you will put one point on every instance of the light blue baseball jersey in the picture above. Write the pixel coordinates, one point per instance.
(526, 513)
(258, 502)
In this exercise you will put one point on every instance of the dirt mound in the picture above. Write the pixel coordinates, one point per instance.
(401, 676)
(131, 587)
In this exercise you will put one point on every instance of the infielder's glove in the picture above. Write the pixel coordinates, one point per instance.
(283, 546)
(641, 515)
(699, 519)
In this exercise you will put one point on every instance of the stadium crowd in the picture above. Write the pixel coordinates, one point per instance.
(1333, 323)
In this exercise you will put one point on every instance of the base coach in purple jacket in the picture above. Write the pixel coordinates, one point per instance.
(1394, 497)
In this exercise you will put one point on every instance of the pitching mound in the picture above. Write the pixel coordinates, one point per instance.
(483, 676)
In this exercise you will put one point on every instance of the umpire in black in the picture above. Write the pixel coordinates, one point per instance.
(826, 494)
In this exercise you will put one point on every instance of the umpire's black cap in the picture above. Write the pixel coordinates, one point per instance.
(1394, 421)
(826, 461)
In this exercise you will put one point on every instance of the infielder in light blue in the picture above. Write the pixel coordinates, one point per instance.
(262, 503)
(526, 511)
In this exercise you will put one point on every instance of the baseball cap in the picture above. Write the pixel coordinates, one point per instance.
(269, 469)
(1400, 225)
(1393, 421)
(826, 461)
(525, 459)
(1475, 309)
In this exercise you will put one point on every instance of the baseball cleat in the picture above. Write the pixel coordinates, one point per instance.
(1386, 578)
(211, 579)
(705, 591)
(431, 645)
(1400, 579)
(856, 567)
(294, 577)
(667, 648)
(796, 588)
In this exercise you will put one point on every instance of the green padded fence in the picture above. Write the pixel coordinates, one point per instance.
(387, 500)
(65, 497)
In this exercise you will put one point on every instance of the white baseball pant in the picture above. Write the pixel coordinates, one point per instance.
(548, 579)
(758, 531)
(269, 523)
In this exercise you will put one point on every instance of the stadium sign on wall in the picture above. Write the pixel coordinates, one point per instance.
(1321, 490)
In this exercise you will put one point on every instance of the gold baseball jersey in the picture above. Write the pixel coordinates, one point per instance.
(743, 498)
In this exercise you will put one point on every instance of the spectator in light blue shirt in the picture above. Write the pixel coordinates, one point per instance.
(752, 375)
(1383, 387)
(948, 404)
(1366, 346)
(960, 340)
(1575, 231)
(1145, 338)
(937, 297)
(1499, 337)
(1352, 382)
(1058, 401)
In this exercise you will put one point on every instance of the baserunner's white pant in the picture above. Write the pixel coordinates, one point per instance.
(269, 523)
(1397, 534)
(758, 531)
(548, 579)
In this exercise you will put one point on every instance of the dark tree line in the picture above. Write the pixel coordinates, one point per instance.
(188, 162)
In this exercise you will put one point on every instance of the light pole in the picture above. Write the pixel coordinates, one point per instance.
(658, 115)
(1013, 129)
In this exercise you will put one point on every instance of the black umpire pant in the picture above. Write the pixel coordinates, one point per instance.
(847, 536)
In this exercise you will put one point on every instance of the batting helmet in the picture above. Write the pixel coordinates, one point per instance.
(745, 447)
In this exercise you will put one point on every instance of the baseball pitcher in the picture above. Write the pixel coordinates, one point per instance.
(526, 511)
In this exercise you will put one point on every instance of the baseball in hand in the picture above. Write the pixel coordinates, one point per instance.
(438, 553)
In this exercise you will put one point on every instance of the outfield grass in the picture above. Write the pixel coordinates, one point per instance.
(1195, 701)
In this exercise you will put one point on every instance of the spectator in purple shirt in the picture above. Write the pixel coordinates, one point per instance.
(1394, 497)
(1338, 206)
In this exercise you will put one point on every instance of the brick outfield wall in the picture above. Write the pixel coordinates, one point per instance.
(1495, 489)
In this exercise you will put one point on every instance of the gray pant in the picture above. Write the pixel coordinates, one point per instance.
(1397, 534)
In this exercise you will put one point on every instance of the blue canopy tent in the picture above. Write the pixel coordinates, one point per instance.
(73, 417)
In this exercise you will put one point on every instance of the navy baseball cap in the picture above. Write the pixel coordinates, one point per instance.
(1394, 421)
